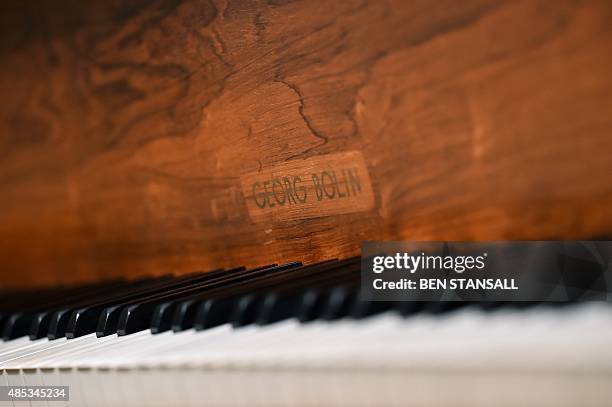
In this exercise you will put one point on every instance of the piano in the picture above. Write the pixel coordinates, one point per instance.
(185, 187)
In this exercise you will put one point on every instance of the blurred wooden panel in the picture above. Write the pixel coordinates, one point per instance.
(125, 127)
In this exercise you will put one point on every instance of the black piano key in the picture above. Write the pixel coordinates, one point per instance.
(42, 304)
(246, 310)
(40, 325)
(289, 303)
(184, 315)
(141, 316)
(38, 306)
(16, 326)
(162, 317)
(214, 312)
(292, 284)
(3, 317)
(227, 279)
(108, 320)
(168, 311)
(84, 321)
(58, 323)
(82, 317)
(146, 314)
(338, 303)
(135, 318)
(308, 298)
(277, 307)
(104, 319)
(312, 304)
(81, 322)
(121, 311)
(365, 308)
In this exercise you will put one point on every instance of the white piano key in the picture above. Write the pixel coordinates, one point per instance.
(14, 380)
(5, 382)
(31, 377)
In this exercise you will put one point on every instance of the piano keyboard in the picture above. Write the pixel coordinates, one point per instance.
(298, 335)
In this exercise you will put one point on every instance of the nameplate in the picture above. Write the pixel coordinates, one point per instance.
(319, 186)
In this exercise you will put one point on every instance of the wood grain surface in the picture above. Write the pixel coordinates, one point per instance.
(125, 127)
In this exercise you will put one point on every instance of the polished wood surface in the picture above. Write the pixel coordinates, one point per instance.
(125, 127)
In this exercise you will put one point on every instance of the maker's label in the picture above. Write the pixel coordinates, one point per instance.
(325, 185)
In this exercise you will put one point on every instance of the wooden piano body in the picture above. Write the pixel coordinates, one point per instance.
(132, 134)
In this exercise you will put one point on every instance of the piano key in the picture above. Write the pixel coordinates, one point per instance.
(39, 328)
(185, 314)
(323, 346)
(266, 280)
(103, 315)
(364, 308)
(277, 307)
(78, 322)
(285, 302)
(16, 325)
(214, 312)
(161, 321)
(136, 317)
(312, 304)
(32, 305)
(58, 323)
(164, 313)
(61, 319)
(107, 320)
(307, 293)
(356, 324)
(338, 303)
(41, 320)
(246, 310)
